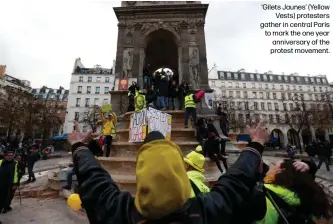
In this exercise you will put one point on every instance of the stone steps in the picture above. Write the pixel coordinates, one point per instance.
(177, 134)
(121, 149)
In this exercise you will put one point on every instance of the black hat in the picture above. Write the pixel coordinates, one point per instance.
(152, 136)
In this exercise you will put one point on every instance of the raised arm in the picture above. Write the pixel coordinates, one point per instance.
(98, 192)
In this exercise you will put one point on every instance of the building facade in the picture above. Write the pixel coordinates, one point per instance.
(88, 87)
(273, 98)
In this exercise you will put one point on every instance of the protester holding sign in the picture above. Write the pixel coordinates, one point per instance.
(108, 131)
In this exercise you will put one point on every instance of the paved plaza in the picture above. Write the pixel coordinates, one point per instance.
(55, 211)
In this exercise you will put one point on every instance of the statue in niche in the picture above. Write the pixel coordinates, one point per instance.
(194, 69)
(192, 37)
(128, 63)
(129, 38)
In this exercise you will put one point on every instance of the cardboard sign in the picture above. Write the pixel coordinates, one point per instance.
(138, 126)
(148, 120)
(159, 121)
(107, 108)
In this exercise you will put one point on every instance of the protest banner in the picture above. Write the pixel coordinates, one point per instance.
(148, 120)
(138, 126)
(106, 108)
(159, 121)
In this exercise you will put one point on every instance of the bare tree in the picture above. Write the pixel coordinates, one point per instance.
(91, 117)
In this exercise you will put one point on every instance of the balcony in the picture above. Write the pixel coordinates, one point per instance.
(77, 105)
(87, 105)
(96, 92)
(79, 91)
(88, 92)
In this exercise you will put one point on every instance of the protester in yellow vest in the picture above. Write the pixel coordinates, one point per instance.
(108, 131)
(139, 101)
(190, 108)
(194, 166)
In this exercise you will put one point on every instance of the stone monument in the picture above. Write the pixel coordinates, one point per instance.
(163, 34)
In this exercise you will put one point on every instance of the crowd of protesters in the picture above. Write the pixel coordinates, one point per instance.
(322, 149)
(171, 188)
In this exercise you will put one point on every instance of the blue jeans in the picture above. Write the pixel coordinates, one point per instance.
(70, 178)
(323, 159)
(147, 80)
(161, 102)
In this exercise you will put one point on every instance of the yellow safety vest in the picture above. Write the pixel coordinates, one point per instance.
(198, 179)
(15, 180)
(189, 102)
(140, 102)
(109, 125)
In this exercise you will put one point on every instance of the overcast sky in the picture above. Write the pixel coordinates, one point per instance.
(40, 39)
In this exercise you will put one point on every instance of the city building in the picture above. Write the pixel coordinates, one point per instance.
(55, 101)
(274, 98)
(88, 87)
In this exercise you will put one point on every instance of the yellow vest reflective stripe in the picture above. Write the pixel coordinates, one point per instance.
(189, 102)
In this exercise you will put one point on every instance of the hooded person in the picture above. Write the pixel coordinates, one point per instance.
(163, 190)
(195, 162)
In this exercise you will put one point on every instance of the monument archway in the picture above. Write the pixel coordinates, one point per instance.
(161, 50)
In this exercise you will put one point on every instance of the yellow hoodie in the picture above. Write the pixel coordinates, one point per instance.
(162, 183)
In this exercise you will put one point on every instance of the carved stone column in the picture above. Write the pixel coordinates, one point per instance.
(136, 54)
(184, 38)
(120, 50)
(202, 54)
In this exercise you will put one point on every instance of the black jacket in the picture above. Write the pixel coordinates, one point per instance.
(100, 194)
(164, 87)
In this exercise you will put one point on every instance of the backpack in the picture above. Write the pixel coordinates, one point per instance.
(191, 213)
(288, 214)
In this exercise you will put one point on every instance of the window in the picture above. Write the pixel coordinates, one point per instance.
(324, 81)
(300, 88)
(298, 79)
(281, 87)
(239, 105)
(105, 101)
(246, 105)
(228, 75)
(255, 105)
(277, 117)
(292, 79)
(268, 95)
(285, 78)
(276, 106)
(236, 76)
(237, 85)
(223, 84)
(320, 89)
(314, 88)
(213, 83)
(245, 94)
(79, 89)
(96, 101)
(231, 94)
(76, 116)
(289, 96)
(229, 84)
(88, 89)
(318, 81)
(97, 91)
(106, 90)
(258, 77)
(262, 105)
(221, 75)
(326, 89)
(243, 76)
(260, 86)
(78, 102)
(322, 97)
(312, 80)
(254, 94)
(284, 106)
(294, 87)
(223, 93)
(87, 102)
(266, 86)
(273, 86)
(98, 79)
(269, 106)
(306, 79)
(280, 78)
(274, 96)
(81, 79)
(265, 77)
(238, 94)
(316, 97)
(261, 95)
(288, 87)
(107, 79)
(282, 96)
(89, 79)
(244, 85)
(271, 118)
(291, 106)
(253, 85)
(271, 78)
(252, 76)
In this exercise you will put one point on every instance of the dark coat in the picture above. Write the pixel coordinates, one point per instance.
(164, 87)
(101, 195)
(7, 172)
